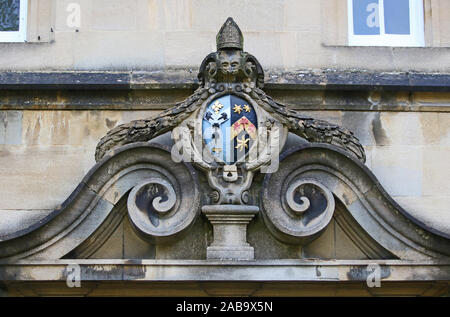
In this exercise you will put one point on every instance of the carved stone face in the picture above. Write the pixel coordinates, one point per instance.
(231, 66)
(230, 61)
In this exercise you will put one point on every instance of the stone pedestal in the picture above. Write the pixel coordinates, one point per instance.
(230, 231)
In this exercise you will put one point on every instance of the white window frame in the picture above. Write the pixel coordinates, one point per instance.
(415, 39)
(21, 35)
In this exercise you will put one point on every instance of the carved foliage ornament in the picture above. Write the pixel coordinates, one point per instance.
(230, 129)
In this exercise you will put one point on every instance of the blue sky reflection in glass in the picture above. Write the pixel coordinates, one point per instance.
(366, 17)
(396, 17)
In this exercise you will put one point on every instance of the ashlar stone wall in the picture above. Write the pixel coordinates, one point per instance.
(156, 34)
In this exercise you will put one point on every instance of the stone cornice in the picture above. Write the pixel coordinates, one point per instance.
(328, 79)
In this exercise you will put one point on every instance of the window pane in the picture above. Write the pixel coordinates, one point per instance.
(9, 15)
(396, 16)
(366, 19)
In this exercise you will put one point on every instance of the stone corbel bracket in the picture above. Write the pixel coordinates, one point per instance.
(298, 201)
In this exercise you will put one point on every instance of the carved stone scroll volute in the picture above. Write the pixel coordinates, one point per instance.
(296, 209)
(162, 208)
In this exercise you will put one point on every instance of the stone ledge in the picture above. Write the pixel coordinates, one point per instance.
(206, 270)
(328, 79)
(161, 99)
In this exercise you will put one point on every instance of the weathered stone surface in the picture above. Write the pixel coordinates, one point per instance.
(46, 171)
(135, 247)
(299, 17)
(399, 169)
(113, 15)
(15, 220)
(435, 207)
(11, 127)
(191, 246)
(251, 15)
(195, 45)
(130, 50)
(401, 129)
(345, 247)
(444, 129)
(113, 248)
(334, 243)
(365, 125)
(273, 49)
(436, 175)
(309, 50)
(66, 128)
(167, 14)
(55, 55)
(266, 246)
(324, 247)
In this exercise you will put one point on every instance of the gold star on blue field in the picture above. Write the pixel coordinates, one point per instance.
(242, 143)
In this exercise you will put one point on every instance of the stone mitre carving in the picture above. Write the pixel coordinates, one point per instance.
(230, 68)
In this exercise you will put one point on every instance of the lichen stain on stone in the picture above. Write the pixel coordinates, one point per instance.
(60, 99)
(4, 119)
(374, 98)
(32, 134)
(59, 132)
(135, 272)
(378, 131)
(346, 199)
(99, 272)
(444, 126)
(422, 233)
(87, 132)
(110, 123)
(102, 268)
(4, 153)
(360, 273)
(99, 122)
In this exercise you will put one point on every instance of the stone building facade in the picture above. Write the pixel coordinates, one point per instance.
(89, 66)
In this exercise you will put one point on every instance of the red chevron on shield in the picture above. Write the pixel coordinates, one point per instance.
(243, 124)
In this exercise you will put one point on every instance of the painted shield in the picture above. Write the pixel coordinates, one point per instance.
(229, 128)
